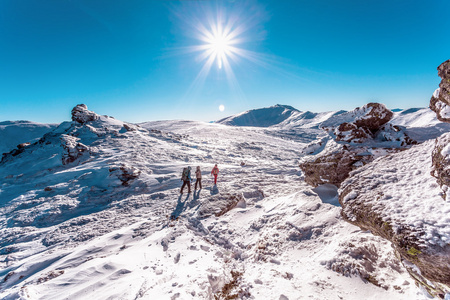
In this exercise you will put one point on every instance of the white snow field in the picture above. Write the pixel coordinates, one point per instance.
(112, 224)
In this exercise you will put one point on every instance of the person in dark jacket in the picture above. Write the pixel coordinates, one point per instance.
(198, 175)
(186, 178)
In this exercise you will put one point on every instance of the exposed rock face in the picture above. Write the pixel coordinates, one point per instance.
(441, 162)
(125, 173)
(73, 150)
(366, 124)
(362, 124)
(374, 115)
(349, 132)
(384, 197)
(333, 168)
(82, 115)
(220, 204)
(440, 101)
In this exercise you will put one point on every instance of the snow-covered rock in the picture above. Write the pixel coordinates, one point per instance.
(82, 115)
(441, 162)
(364, 135)
(396, 198)
(440, 101)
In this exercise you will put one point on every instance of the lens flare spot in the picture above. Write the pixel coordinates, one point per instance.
(221, 107)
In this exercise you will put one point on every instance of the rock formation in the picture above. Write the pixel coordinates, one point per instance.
(82, 115)
(72, 149)
(440, 101)
(366, 125)
(385, 197)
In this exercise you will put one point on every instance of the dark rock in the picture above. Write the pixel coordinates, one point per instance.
(349, 132)
(374, 116)
(333, 168)
(82, 115)
(441, 162)
(23, 145)
(72, 149)
(125, 173)
(220, 204)
(440, 101)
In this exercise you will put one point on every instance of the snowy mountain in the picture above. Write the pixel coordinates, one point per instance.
(13, 133)
(93, 210)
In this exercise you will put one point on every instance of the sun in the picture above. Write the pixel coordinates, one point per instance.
(220, 47)
(221, 107)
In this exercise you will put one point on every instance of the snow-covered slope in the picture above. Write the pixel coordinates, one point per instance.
(13, 133)
(262, 117)
(93, 211)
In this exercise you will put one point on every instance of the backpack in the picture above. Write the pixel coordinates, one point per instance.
(184, 175)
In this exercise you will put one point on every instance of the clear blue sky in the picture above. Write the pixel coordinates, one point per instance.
(131, 59)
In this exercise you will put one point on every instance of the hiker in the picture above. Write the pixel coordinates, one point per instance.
(186, 178)
(215, 172)
(198, 175)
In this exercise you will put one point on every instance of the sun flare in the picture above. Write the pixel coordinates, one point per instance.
(220, 47)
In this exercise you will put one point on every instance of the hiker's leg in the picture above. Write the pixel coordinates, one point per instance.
(189, 186)
(182, 187)
(200, 182)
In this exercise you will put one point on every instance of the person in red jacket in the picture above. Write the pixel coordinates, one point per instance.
(215, 172)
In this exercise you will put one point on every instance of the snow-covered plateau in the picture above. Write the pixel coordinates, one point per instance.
(92, 209)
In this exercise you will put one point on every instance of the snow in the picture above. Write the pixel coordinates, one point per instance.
(112, 224)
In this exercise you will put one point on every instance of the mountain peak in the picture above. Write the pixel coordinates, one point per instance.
(261, 117)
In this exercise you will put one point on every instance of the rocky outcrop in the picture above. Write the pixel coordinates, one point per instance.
(72, 149)
(82, 115)
(440, 101)
(366, 125)
(125, 173)
(350, 132)
(386, 198)
(361, 124)
(333, 168)
(220, 204)
(394, 133)
(441, 162)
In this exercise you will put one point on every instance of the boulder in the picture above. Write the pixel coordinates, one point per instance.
(358, 125)
(72, 149)
(372, 116)
(220, 204)
(333, 168)
(440, 101)
(125, 173)
(350, 132)
(82, 115)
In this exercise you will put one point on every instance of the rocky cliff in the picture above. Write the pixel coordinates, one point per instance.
(402, 197)
(440, 101)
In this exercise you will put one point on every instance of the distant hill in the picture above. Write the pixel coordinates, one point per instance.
(13, 133)
(261, 117)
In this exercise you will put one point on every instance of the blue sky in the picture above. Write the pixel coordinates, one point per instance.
(135, 59)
